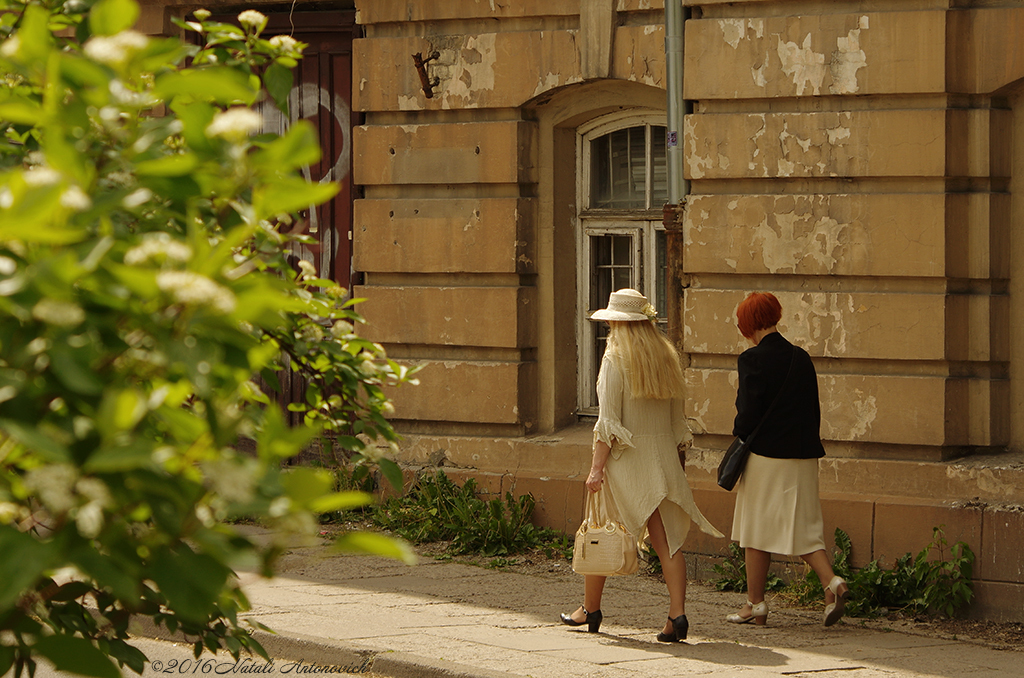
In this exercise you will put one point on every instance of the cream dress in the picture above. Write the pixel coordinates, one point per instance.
(643, 472)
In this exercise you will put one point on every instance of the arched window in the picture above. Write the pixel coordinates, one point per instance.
(621, 240)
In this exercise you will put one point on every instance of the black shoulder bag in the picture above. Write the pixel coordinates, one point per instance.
(735, 459)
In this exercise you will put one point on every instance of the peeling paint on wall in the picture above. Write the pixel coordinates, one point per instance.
(846, 61)
(470, 70)
(734, 30)
(803, 64)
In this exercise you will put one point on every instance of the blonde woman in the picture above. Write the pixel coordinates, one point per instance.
(639, 433)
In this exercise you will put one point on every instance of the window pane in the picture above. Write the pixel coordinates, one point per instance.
(617, 270)
(618, 167)
(659, 168)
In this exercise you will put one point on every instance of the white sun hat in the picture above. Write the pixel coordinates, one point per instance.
(626, 305)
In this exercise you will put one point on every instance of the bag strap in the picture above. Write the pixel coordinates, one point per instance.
(778, 395)
(596, 514)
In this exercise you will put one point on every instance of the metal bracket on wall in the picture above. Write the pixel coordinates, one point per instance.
(426, 82)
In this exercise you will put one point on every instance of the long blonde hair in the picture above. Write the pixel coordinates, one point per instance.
(649, 359)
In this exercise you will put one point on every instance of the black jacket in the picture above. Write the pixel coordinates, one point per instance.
(792, 430)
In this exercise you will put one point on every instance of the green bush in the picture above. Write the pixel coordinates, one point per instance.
(915, 584)
(144, 282)
(436, 509)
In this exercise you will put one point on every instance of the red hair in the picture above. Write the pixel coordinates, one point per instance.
(759, 311)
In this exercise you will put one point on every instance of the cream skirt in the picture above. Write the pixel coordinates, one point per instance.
(777, 506)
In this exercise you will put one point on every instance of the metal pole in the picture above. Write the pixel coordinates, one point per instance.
(675, 17)
(678, 187)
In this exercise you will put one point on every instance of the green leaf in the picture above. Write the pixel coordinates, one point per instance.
(34, 34)
(76, 655)
(192, 582)
(279, 80)
(218, 84)
(305, 485)
(297, 148)
(21, 111)
(128, 655)
(24, 560)
(107, 571)
(71, 367)
(376, 544)
(340, 501)
(120, 411)
(38, 442)
(108, 17)
(168, 166)
(290, 194)
(392, 472)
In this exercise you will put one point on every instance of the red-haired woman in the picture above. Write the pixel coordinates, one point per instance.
(777, 505)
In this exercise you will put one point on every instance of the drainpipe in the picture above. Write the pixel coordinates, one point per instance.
(678, 186)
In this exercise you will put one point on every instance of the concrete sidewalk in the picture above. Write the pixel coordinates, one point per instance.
(450, 619)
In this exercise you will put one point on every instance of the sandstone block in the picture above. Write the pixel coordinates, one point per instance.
(835, 144)
(1001, 557)
(847, 325)
(902, 526)
(452, 153)
(500, 317)
(485, 70)
(473, 392)
(487, 235)
(815, 55)
(865, 408)
(389, 11)
(862, 235)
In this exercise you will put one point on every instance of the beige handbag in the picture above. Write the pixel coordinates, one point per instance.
(604, 546)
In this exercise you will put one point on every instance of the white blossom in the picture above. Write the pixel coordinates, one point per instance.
(10, 512)
(307, 268)
(187, 287)
(75, 199)
(6, 198)
(59, 313)
(137, 198)
(89, 520)
(7, 266)
(341, 328)
(285, 43)
(53, 483)
(235, 123)
(201, 14)
(114, 50)
(94, 490)
(11, 47)
(387, 408)
(42, 176)
(312, 333)
(158, 247)
(250, 18)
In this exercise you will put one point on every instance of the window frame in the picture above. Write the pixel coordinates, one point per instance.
(642, 224)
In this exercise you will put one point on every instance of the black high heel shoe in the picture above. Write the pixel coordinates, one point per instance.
(680, 626)
(593, 620)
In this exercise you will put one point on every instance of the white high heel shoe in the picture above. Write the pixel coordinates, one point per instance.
(758, 614)
(834, 611)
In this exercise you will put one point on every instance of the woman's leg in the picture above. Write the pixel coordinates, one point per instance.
(757, 562)
(819, 562)
(673, 568)
(593, 588)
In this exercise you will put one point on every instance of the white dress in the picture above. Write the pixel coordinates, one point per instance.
(643, 472)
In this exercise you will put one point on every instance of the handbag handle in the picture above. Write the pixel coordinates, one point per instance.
(778, 395)
(596, 513)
